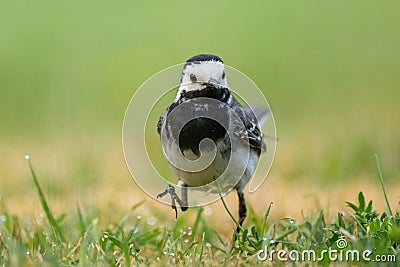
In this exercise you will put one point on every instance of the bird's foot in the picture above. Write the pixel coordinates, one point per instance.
(171, 191)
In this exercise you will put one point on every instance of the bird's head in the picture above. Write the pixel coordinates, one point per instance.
(200, 69)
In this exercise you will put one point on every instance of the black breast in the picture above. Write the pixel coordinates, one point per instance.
(211, 125)
(198, 129)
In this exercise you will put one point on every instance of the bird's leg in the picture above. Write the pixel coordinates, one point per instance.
(170, 190)
(184, 198)
(174, 197)
(242, 209)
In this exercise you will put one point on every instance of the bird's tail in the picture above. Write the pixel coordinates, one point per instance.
(260, 113)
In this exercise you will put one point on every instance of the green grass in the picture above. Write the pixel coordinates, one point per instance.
(78, 239)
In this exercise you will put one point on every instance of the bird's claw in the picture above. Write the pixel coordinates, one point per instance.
(170, 190)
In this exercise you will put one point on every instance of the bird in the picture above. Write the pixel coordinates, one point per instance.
(206, 109)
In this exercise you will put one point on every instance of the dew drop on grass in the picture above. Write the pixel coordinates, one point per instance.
(151, 221)
(186, 240)
(27, 252)
(292, 221)
(139, 217)
(145, 211)
(41, 215)
(27, 156)
(272, 241)
(3, 218)
(208, 211)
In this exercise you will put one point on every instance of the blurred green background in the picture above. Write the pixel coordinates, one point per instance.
(329, 69)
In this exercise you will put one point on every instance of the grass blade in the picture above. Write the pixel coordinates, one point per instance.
(230, 214)
(265, 219)
(124, 219)
(378, 165)
(46, 208)
(196, 224)
(82, 226)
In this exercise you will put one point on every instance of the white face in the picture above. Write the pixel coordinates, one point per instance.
(199, 72)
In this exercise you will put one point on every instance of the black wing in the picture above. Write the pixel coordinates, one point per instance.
(161, 121)
(252, 133)
(165, 114)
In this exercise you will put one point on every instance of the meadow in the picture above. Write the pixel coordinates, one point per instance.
(329, 70)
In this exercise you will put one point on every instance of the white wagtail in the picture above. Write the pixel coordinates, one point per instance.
(203, 77)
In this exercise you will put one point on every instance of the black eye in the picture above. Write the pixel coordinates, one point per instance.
(193, 78)
(223, 75)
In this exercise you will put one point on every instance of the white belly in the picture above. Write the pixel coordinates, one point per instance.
(224, 173)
